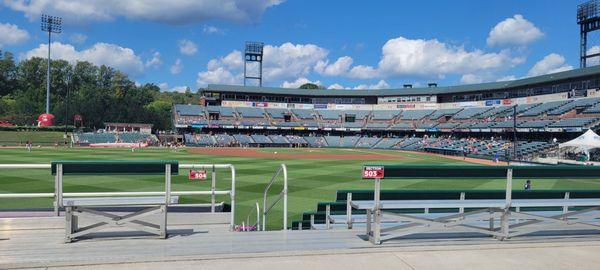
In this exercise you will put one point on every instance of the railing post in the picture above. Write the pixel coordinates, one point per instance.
(349, 210)
(377, 213)
(506, 215)
(212, 189)
(285, 196)
(167, 184)
(327, 214)
(566, 208)
(232, 222)
(58, 189)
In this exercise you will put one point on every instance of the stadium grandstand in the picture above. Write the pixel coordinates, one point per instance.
(479, 119)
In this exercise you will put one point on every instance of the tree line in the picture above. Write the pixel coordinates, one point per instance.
(98, 93)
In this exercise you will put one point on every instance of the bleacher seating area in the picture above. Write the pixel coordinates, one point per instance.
(403, 129)
(126, 137)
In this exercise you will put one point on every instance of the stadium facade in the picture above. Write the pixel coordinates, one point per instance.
(478, 118)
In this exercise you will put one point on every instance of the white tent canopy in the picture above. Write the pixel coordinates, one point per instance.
(586, 142)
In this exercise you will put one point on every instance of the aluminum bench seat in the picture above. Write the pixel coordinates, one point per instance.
(117, 201)
(419, 204)
(90, 205)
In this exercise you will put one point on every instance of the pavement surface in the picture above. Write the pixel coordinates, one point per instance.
(37, 243)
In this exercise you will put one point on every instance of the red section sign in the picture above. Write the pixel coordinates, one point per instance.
(373, 172)
(194, 175)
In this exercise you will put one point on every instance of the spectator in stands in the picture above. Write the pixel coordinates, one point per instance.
(527, 185)
(496, 157)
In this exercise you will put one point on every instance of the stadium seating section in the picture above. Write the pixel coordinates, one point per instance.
(405, 129)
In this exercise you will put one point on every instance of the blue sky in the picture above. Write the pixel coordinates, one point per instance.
(349, 44)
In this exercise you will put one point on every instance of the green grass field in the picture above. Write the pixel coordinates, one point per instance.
(310, 180)
(12, 138)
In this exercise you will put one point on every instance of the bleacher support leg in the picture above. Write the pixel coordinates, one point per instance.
(377, 213)
(327, 214)
(69, 224)
(506, 215)
(349, 210)
(369, 220)
(163, 222)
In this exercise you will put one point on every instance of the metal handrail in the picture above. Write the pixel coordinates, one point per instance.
(283, 194)
(246, 226)
(58, 197)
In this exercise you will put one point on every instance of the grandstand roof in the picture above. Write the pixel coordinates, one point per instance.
(575, 73)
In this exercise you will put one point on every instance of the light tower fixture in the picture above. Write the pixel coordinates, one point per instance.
(50, 24)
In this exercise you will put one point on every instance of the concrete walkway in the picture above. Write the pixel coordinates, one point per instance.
(37, 243)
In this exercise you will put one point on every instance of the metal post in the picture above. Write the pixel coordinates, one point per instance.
(67, 107)
(506, 215)
(349, 210)
(327, 214)
(48, 77)
(514, 132)
(212, 189)
(285, 194)
(167, 184)
(232, 222)
(58, 189)
(566, 208)
(377, 230)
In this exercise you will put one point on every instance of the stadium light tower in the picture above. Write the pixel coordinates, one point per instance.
(253, 53)
(50, 24)
(588, 18)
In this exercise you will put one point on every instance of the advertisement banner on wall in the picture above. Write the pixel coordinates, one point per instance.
(320, 106)
(470, 104)
(428, 106)
(492, 102)
(405, 106)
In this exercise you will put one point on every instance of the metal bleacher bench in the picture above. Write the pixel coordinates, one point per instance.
(87, 205)
(481, 213)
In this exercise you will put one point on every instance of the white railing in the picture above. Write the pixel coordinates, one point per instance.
(246, 225)
(58, 194)
(282, 195)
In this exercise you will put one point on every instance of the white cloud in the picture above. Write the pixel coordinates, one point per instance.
(78, 38)
(339, 67)
(11, 34)
(363, 72)
(419, 57)
(471, 78)
(123, 59)
(177, 67)
(298, 82)
(209, 29)
(290, 61)
(180, 89)
(286, 62)
(379, 85)
(507, 78)
(551, 63)
(165, 88)
(219, 75)
(402, 56)
(187, 47)
(163, 11)
(232, 61)
(336, 86)
(155, 61)
(514, 31)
